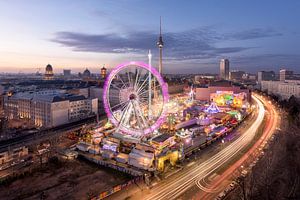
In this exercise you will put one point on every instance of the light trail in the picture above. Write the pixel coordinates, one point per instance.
(270, 128)
(176, 187)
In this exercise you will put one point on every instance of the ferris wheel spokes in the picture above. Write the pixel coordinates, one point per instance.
(127, 97)
(119, 77)
(136, 113)
(147, 90)
(130, 109)
(136, 79)
(122, 117)
(119, 104)
(115, 86)
(141, 77)
(142, 86)
(128, 77)
(146, 125)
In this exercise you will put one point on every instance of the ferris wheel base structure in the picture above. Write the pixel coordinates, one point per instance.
(126, 96)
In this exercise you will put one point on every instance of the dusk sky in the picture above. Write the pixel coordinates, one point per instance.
(254, 35)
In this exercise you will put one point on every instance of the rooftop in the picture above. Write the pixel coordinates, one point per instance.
(161, 138)
(52, 96)
(222, 83)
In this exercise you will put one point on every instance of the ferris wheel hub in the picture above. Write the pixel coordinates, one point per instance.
(132, 97)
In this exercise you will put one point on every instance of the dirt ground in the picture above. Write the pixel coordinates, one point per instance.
(63, 180)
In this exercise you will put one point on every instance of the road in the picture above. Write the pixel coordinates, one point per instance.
(272, 123)
(176, 186)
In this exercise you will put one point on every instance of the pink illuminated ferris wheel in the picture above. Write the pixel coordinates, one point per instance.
(134, 98)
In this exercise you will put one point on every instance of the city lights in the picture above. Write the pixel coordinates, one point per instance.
(149, 100)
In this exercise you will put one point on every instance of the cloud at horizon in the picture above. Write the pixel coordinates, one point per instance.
(188, 45)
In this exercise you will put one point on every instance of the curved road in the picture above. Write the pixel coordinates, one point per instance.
(272, 121)
(176, 187)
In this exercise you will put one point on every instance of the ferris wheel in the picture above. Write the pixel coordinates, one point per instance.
(134, 98)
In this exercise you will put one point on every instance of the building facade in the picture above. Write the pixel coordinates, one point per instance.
(67, 73)
(265, 76)
(205, 93)
(283, 89)
(236, 75)
(103, 72)
(49, 109)
(224, 69)
(285, 74)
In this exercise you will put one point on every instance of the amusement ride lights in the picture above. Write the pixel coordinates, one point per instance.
(128, 95)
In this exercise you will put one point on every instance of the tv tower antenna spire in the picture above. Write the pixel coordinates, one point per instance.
(160, 45)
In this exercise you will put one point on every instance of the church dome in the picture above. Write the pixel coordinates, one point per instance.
(49, 68)
(86, 73)
(49, 73)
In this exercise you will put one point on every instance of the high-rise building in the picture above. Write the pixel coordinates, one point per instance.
(160, 45)
(224, 69)
(285, 74)
(265, 76)
(49, 73)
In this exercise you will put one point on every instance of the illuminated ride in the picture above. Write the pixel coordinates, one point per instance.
(134, 98)
(212, 108)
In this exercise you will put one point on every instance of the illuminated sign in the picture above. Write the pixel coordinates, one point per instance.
(224, 92)
(110, 147)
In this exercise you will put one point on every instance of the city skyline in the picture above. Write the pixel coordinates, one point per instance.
(81, 35)
(150, 100)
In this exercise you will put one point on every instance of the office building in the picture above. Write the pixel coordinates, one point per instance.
(265, 76)
(224, 69)
(285, 74)
(236, 75)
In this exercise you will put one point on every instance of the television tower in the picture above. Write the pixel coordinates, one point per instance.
(160, 45)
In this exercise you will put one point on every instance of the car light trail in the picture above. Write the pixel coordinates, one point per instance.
(174, 188)
(271, 124)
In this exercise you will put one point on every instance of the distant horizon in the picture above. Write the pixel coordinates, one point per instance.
(96, 70)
